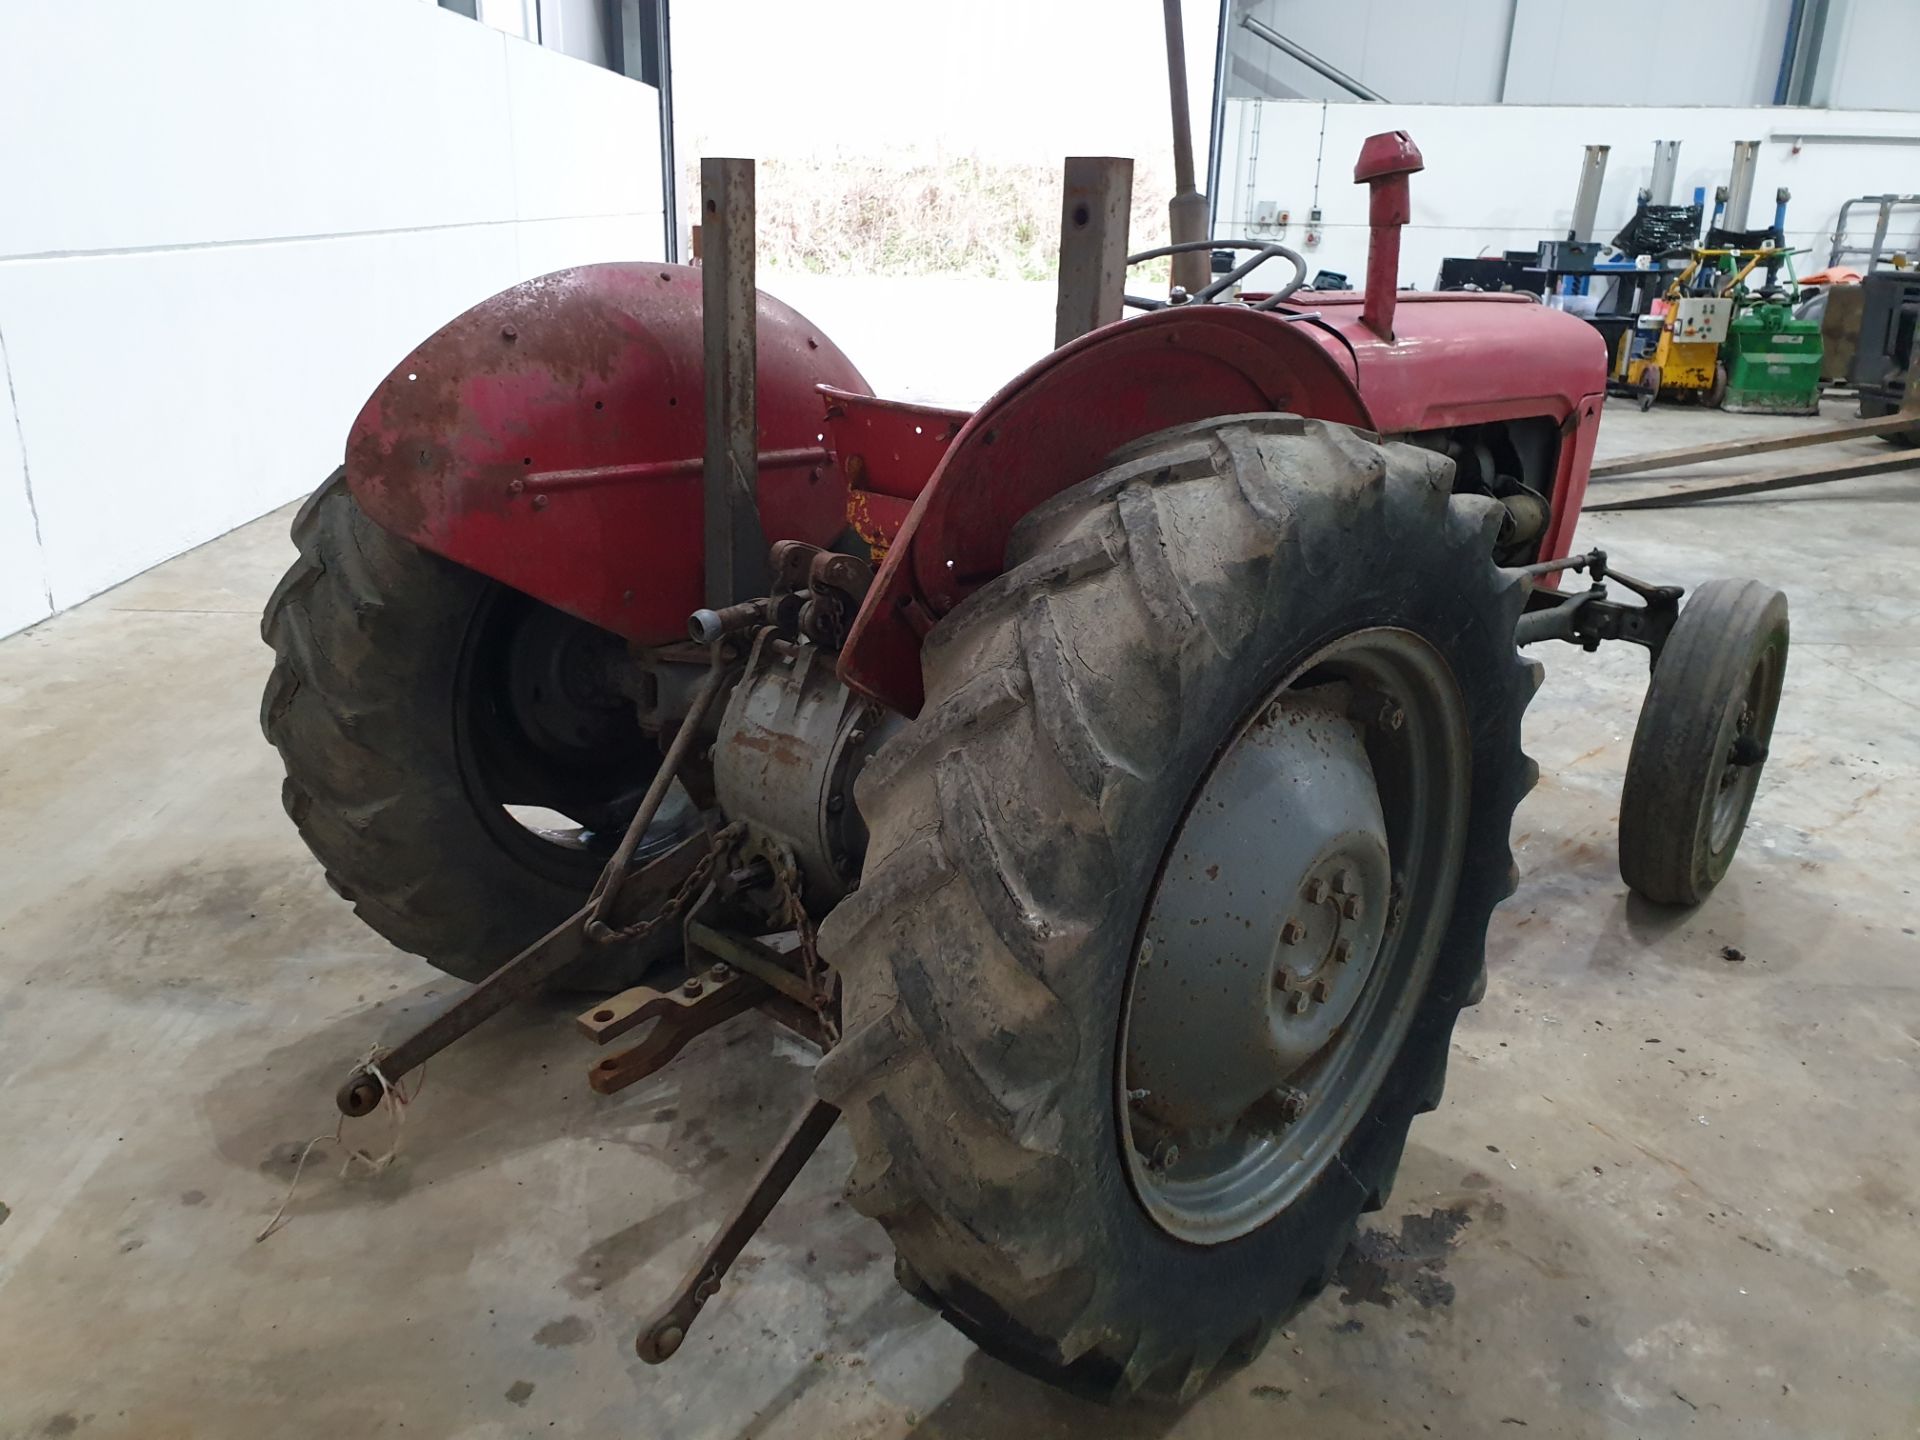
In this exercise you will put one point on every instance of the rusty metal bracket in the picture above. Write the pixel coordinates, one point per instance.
(690, 1009)
(664, 1333)
(1587, 617)
(520, 976)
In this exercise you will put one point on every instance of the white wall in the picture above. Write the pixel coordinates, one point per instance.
(225, 220)
(1649, 52)
(1407, 50)
(1573, 52)
(1870, 54)
(1503, 176)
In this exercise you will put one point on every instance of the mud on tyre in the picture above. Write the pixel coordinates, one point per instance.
(413, 701)
(1076, 706)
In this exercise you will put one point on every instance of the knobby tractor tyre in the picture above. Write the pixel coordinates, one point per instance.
(1701, 741)
(409, 706)
(1075, 708)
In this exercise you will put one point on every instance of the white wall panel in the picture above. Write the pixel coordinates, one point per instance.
(1647, 52)
(242, 370)
(132, 124)
(1870, 56)
(226, 221)
(23, 575)
(549, 245)
(1408, 50)
(584, 140)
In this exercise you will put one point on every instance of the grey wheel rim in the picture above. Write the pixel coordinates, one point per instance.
(1745, 751)
(1292, 933)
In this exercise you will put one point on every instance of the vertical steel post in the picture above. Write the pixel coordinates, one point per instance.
(1746, 160)
(1586, 199)
(1217, 129)
(1187, 214)
(1095, 204)
(735, 548)
(669, 181)
(1666, 164)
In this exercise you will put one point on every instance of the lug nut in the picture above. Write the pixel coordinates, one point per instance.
(1342, 951)
(1350, 907)
(1392, 716)
(1292, 1101)
(1316, 890)
(1299, 1002)
(1293, 932)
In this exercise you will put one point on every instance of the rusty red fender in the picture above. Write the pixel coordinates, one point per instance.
(551, 437)
(1054, 426)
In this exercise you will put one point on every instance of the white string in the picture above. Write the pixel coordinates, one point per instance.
(396, 1101)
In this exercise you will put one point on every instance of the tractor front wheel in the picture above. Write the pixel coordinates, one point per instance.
(454, 756)
(1174, 892)
(1701, 740)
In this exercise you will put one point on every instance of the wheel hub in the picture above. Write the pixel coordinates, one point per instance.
(1266, 922)
(1291, 934)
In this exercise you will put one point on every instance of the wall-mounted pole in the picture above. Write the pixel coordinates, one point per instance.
(1096, 203)
(735, 548)
(1187, 215)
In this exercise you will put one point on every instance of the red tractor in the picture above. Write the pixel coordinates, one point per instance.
(1114, 782)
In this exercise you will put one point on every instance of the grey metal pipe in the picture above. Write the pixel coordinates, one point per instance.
(663, 47)
(1746, 161)
(1187, 214)
(1312, 61)
(1666, 164)
(1586, 198)
(1217, 129)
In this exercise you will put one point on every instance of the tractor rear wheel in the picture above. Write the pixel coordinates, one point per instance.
(1175, 890)
(453, 758)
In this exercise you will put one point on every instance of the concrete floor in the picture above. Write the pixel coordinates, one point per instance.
(1668, 1193)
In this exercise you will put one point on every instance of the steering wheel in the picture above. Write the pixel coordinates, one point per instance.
(1264, 251)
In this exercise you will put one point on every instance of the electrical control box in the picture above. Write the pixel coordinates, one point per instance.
(1702, 319)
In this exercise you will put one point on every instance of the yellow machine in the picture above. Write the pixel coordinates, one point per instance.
(1677, 350)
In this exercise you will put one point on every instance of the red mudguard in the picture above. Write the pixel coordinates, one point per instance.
(551, 438)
